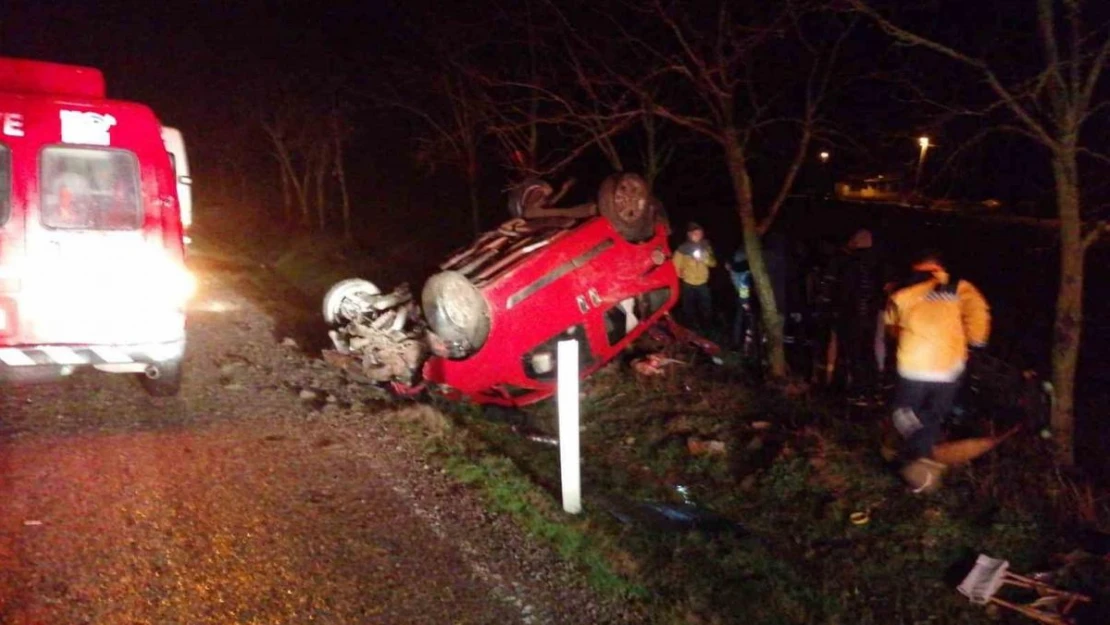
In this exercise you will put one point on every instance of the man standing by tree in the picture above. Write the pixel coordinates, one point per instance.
(858, 310)
(936, 317)
(693, 260)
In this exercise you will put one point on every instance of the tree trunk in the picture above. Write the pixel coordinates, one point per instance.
(772, 319)
(322, 167)
(475, 207)
(610, 152)
(341, 175)
(300, 190)
(286, 194)
(1069, 303)
(299, 186)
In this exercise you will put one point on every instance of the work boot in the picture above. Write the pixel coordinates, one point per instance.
(923, 475)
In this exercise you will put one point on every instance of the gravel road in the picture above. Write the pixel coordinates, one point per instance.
(270, 491)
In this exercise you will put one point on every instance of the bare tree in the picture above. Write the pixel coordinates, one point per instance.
(1051, 104)
(566, 99)
(319, 165)
(287, 140)
(656, 152)
(340, 132)
(712, 73)
(452, 118)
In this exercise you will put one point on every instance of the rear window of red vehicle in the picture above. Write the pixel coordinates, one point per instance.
(90, 189)
(5, 184)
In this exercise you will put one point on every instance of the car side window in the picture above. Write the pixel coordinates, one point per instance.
(90, 189)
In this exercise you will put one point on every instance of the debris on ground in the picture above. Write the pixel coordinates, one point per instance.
(966, 450)
(990, 575)
(670, 517)
(700, 447)
(653, 364)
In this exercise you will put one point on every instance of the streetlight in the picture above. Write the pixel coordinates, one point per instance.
(824, 156)
(924, 143)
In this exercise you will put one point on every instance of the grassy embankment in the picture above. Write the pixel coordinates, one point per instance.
(792, 473)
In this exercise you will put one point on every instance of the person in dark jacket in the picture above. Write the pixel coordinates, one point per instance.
(823, 283)
(861, 300)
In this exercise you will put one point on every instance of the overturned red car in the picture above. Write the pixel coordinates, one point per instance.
(489, 322)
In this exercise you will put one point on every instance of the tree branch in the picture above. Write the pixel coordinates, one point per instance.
(1094, 234)
(1046, 22)
(1100, 61)
(1098, 156)
(913, 39)
(697, 124)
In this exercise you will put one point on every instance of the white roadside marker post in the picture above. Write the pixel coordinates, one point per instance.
(568, 425)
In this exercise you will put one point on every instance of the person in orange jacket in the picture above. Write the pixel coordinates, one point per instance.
(935, 318)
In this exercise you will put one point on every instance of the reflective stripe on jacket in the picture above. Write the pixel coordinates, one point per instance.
(935, 323)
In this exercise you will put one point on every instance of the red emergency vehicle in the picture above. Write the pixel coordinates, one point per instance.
(92, 271)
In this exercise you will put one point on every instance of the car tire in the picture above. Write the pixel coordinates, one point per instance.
(168, 382)
(528, 196)
(626, 202)
(333, 299)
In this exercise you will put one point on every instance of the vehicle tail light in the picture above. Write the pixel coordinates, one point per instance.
(171, 282)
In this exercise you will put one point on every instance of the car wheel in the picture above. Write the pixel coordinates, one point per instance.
(625, 200)
(528, 196)
(333, 299)
(168, 382)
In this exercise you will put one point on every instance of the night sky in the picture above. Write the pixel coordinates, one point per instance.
(200, 66)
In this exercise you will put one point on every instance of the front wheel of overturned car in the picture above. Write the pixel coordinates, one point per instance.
(164, 380)
(625, 200)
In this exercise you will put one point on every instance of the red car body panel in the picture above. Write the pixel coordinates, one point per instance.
(74, 286)
(572, 281)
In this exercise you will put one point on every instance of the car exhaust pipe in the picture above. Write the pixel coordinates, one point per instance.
(152, 372)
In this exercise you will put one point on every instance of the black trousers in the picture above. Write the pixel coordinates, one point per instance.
(856, 336)
(697, 305)
(919, 410)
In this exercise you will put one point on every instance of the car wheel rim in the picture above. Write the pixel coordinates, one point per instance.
(630, 201)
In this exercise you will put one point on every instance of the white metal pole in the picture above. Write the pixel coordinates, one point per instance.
(568, 426)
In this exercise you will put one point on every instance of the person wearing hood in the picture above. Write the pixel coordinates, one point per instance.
(693, 260)
(935, 318)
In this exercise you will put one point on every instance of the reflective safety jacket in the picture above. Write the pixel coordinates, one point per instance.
(935, 319)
